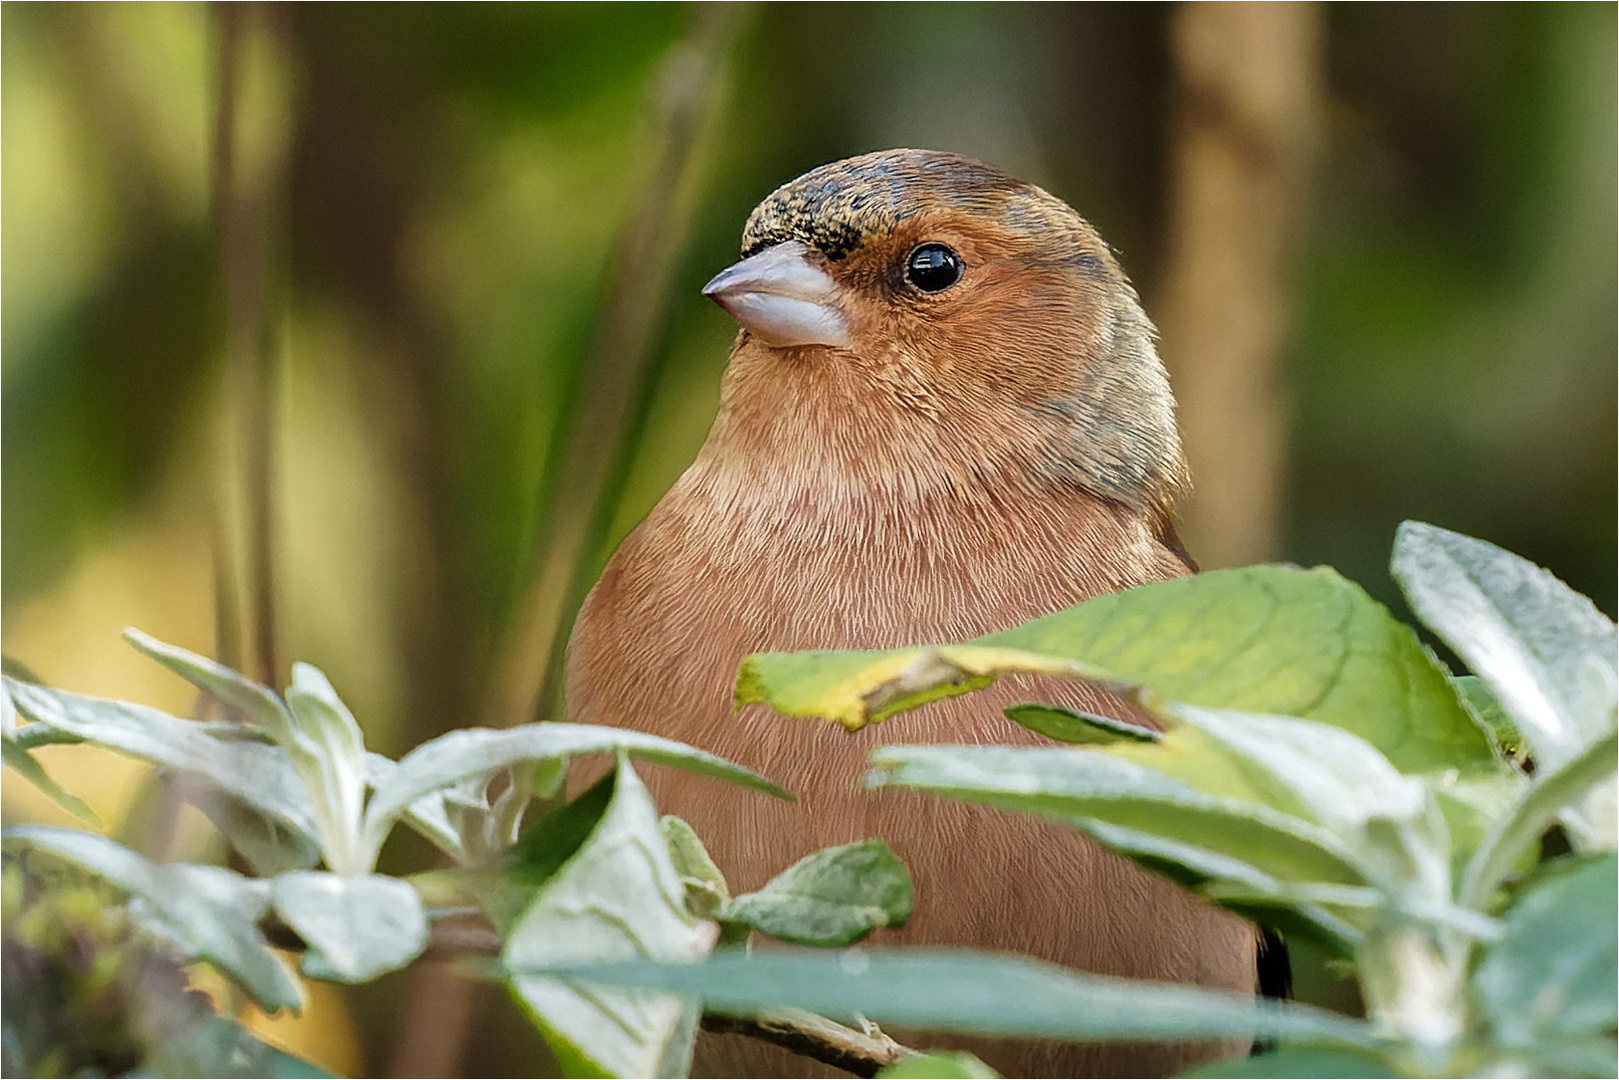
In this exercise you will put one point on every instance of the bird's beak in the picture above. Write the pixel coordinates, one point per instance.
(782, 298)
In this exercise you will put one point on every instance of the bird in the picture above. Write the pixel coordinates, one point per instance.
(944, 415)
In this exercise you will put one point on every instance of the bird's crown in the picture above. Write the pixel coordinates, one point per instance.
(838, 207)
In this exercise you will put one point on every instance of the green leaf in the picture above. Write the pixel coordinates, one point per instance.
(1563, 1057)
(1329, 777)
(261, 776)
(1294, 1061)
(952, 1064)
(208, 912)
(1083, 784)
(429, 815)
(1479, 701)
(1263, 639)
(33, 736)
(268, 846)
(1240, 886)
(477, 820)
(319, 738)
(854, 688)
(329, 752)
(1071, 726)
(1472, 805)
(977, 993)
(1314, 771)
(559, 835)
(481, 752)
(831, 898)
(706, 891)
(1298, 813)
(34, 773)
(1553, 975)
(1552, 792)
(1544, 650)
(1299, 921)
(259, 705)
(356, 927)
(618, 898)
(1592, 823)
(29, 736)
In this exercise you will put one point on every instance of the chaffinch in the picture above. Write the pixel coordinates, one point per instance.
(944, 415)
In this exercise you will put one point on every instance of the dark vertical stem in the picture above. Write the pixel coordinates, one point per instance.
(228, 645)
(240, 251)
(587, 475)
(246, 589)
(435, 1021)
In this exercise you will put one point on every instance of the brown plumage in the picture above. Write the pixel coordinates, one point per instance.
(905, 466)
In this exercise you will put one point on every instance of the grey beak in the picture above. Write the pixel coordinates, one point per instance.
(782, 298)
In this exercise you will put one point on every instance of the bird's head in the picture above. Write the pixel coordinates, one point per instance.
(939, 300)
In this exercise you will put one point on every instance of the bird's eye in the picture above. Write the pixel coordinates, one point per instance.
(933, 268)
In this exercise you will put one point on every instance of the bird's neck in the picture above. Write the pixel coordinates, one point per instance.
(871, 542)
(807, 430)
(819, 516)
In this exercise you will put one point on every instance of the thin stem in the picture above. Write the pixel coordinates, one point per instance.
(1413, 984)
(862, 1053)
(244, 201)
(587, 470)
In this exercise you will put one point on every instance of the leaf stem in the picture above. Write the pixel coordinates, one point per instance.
(1413, 986)
(862, 1053)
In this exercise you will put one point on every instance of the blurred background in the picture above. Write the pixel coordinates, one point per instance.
(360, 334)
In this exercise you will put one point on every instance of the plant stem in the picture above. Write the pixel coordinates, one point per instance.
(1413, 984)
(591, 458)
(247, 189)
(862, 1053)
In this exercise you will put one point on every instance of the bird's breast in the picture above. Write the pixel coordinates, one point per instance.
(719, 570)
(715, 573)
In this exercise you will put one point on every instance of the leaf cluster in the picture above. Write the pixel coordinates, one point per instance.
(1318, 770)
(289, 782)
(1311, 766)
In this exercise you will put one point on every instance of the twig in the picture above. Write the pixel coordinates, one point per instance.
(454, 939)
(862, 1053)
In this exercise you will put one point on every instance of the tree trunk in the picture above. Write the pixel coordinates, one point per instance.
(1244, 137)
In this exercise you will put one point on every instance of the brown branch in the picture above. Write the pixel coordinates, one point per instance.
(862, 1053)
(246, 201)
(454, 939)
(858, 1051)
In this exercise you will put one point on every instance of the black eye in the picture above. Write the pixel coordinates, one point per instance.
(933, 268)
